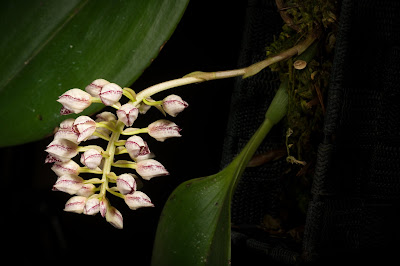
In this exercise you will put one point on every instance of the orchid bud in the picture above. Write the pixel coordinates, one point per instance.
(149, 155)
(104, 206)
(114, 217)
(126, 183)
(163, 129)
(91, 158)
(104, 116)
(173, 105)
(137, 200)
(95, 87)
(68, 183)
(75, 204)
(150, 168)
(127, 113)
(69, 167)
(85, 126)
(66, 131)
(143, 108)
(74, 101)
(62, 149)
(86, 190)
(136, 146)
(92, 206)
(110, 94)
(67, 123)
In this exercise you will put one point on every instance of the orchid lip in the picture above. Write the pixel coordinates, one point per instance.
(65, 111)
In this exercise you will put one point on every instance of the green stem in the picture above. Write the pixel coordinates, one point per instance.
(134, 132)
(164, 86)
(101, 136)
(93, 181)
(129, 93)
(295, 50)
(154, 103)
(131, 165)
(112, 177)
(121, 151)
(276, 111)
(87, 170)
(109, 160)
(120, 142)
(247, 152)
(85, 148)
(105, 124)
(115, 193)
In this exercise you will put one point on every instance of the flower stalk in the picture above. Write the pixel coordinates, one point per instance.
(90, 199)
(108, 161)
(199, 76)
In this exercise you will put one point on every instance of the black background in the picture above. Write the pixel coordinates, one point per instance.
(208, 38)
(37, 230)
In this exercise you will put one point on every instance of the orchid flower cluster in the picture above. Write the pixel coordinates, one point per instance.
(90, 194)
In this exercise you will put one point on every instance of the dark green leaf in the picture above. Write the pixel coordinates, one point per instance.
(194, 227)
(49, 47)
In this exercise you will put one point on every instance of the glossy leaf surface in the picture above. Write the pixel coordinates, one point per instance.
(194, 227)
(48, 47)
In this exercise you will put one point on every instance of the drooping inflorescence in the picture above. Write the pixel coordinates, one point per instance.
(90, 194)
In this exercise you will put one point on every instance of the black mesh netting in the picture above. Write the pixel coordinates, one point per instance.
(356, 186)
(250, 100)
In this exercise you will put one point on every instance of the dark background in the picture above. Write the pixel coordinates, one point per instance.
(208, 38)
(356, 202)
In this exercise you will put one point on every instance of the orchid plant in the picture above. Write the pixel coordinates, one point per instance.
(88, 198)
(209, 197)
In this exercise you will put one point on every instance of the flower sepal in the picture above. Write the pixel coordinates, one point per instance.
(137, 200)
(74, 101)
(150, 168)
(75, 204)
(163, 129)
(173, 105)
(68, 183)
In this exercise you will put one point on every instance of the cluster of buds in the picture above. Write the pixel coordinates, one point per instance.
(90, 194)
